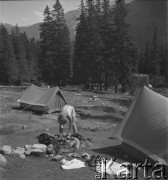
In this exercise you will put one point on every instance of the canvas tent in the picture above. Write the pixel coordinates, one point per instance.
(42, 99)
(144, 130)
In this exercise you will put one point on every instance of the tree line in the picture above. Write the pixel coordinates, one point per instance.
(153, 59)
(103, 51)
(18, 57)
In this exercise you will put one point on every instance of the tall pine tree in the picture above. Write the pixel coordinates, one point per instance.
(45, 44)
(80, 57)
(55, 44)
(61, 45)
(125, 53)
(8, 69)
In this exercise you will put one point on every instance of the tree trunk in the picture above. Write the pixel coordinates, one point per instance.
(116, 86)
(100, 81)
(105, 82)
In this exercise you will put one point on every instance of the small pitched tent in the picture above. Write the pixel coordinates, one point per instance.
(144, 130)
(42, 99)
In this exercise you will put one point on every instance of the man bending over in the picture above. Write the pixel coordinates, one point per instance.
(67, 114)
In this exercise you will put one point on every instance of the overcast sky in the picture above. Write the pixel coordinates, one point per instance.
(29, 12)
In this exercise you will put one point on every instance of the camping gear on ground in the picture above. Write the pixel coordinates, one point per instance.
(45, 138)
(79, 136)
(73, 164)
(50, 149)
(75, 155)
(42, 99)
(144, 130)
(86, 156)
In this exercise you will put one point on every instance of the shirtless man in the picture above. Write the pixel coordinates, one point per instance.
(67, 114)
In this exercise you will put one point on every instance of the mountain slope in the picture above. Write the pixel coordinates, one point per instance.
(34, 30)
(143, 16)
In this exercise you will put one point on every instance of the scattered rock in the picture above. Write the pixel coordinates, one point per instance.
(41, 147)
(63, 161)
(18, 151)
(22, 156)
(57, 157)
(7, 150)
(37, 153)
(3, 161)
(27, 147)
(28, 152)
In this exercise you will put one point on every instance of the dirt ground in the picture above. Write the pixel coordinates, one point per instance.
(97, 119)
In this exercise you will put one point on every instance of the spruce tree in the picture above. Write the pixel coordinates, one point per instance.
(107, 34)
(125, 52)
(163, 55)
(45, 44)
(80, 56)
(20, 54)
(95, 44)
(60, 46)
(8, 70)
(32, 60)
(155, 60)
(141, 63)
(146, 59)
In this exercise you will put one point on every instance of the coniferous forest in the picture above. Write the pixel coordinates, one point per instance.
(103, 53)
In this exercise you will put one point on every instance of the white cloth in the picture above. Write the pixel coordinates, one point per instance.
(73, 164)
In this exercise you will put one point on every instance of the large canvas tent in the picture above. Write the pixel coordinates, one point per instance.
(144, 130)
(42, 99)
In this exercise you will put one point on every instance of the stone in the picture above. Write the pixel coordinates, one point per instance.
(57, 157)
(7, 150)
(22, 156)
(3, 161)
(18, 151)
(41, 147)
(37, 153)
(27, 147)
(28, 152)
(63, 161)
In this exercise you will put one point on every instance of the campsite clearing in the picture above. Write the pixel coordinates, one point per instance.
(97, 119)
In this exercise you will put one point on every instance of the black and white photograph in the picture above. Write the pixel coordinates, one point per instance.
(83, 89)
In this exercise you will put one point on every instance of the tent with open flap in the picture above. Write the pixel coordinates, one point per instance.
(144, 130)
(42, 99)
